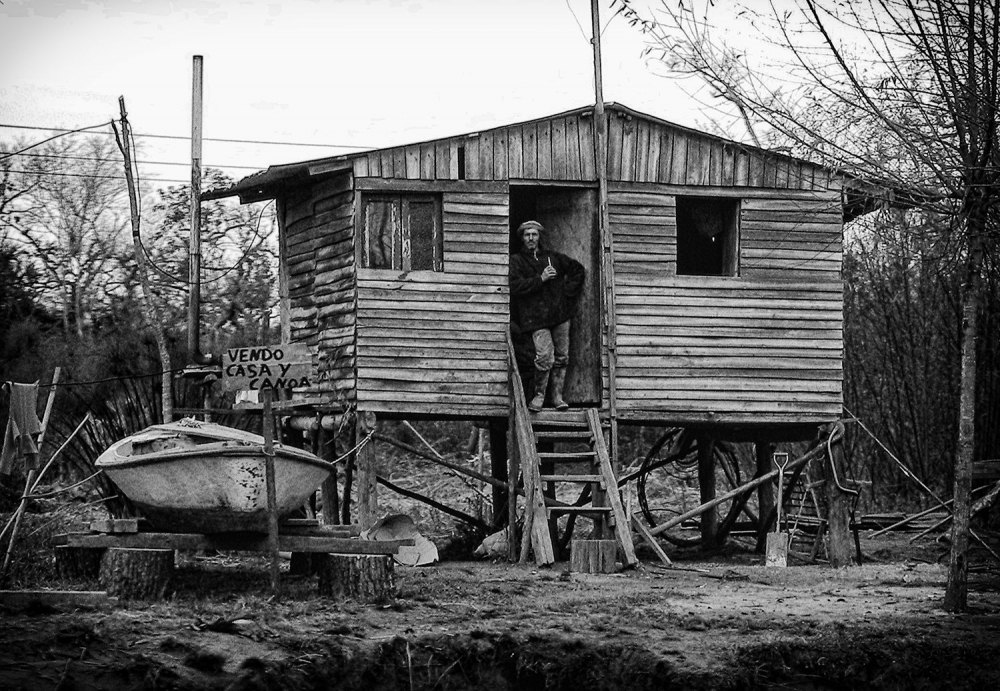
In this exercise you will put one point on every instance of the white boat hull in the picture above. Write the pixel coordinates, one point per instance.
(210, 484)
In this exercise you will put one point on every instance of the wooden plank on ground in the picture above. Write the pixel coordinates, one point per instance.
(231, 542)
(59, 599)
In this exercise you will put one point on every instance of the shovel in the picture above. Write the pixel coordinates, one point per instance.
(777, 542)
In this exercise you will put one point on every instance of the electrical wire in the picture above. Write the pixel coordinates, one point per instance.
(137, 160)
(111, 379)
(185, 138)
(63, 133)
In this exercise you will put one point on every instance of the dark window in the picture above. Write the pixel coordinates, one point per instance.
(707, 236)
(401, 232)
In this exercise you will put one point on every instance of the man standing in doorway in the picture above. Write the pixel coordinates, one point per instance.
(544, 287)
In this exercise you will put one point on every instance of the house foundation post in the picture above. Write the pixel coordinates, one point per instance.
(706, 482)
(366, 472)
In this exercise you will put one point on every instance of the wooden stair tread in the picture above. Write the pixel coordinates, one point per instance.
(567, 456)
(559, 417)
(563, 435)
(572, 478)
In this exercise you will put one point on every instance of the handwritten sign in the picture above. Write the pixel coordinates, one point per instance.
(285, 366)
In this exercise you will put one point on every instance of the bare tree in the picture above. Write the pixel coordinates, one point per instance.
(903, 93)
(64, 205)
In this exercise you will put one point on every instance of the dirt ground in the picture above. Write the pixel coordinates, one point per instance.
(715, 622)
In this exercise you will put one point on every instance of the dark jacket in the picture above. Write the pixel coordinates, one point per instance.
(540, 305)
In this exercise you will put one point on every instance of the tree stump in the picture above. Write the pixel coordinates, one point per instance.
(77, 563)
(142, 574)
(593, 556)
(365, 577)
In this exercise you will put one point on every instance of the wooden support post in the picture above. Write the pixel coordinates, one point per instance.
(367, 476)
(142, 574)
(272, 501)
(513, 473)
(706, 481)
(331, 498)
(366, 577)
(765, 492)
(345, 505)
(499, 470)
(840, 547)
(31, 480)
(593, 556)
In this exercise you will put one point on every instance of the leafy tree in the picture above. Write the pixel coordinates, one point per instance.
(904, 93)
(239, 258)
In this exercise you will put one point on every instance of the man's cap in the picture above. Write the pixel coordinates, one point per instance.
(530, 224)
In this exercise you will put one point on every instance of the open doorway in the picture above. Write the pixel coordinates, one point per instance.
(569, 215)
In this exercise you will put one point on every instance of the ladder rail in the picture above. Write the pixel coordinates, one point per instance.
(535, 522)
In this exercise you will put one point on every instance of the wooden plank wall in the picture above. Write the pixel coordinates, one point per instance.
(641, 150)
(562, 149)
(782, 234)
(781, 237)
(318, 229)
(762, 347)
(434, 342)
(729, 349)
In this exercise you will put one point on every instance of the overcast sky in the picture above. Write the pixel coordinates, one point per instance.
(367, 73)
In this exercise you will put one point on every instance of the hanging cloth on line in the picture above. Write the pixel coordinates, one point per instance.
(22, 427)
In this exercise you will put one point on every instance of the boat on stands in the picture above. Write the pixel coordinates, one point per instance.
(193, 476)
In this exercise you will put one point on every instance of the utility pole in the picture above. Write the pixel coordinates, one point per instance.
(608, 272)
(194, 246)
(152, 313)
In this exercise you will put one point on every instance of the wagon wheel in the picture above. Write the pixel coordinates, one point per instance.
(677, 450)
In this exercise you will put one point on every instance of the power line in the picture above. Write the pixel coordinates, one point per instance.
(63, 133)
(152, 163)
(208, 139)
(45, 173)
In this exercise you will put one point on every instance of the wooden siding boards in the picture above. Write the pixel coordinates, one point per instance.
(687, 347)
(561, 148)
(434, 342)
(729, 348)
(319, 244)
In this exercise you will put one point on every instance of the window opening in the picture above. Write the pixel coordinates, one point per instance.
(402, 232)
(707, 236)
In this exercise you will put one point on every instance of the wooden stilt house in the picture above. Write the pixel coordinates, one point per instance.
(713, 297)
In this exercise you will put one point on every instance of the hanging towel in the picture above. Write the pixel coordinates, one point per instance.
(23, 425)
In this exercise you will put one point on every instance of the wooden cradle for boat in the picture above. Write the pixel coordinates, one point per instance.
(203, 477)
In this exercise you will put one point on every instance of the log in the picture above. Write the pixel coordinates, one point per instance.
(593, 556)
(137, 574)
(78, 563)
(18, 600)
(368, 578)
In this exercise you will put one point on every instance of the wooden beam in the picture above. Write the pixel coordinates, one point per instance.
(706, 483)
(498, 463)
(367, 478)
(838, 497)
(232, 542)
(752, 484)
(765, 492)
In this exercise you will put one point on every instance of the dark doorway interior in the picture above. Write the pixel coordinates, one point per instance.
(569, 215)
(707, 236)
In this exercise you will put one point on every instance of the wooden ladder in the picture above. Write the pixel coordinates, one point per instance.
(571, 450)
(546, 429)
(804, 519)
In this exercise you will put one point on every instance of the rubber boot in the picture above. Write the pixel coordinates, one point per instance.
(558, 382)
(541, 385)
